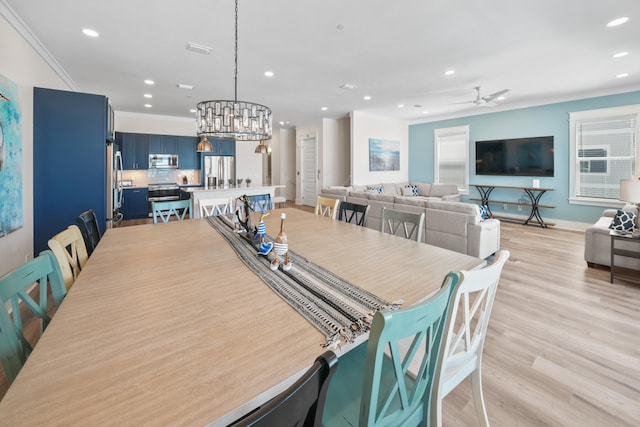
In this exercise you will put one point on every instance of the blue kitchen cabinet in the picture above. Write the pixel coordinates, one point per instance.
(187, 154)
(70, 138)
(163, 144)
(134, 204)
(224, 147)
(135, 150)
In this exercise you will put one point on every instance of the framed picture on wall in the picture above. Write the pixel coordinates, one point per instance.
(384, 155)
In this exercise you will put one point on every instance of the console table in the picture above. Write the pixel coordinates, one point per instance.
(534, 194)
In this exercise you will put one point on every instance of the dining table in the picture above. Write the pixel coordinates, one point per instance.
(166, 325)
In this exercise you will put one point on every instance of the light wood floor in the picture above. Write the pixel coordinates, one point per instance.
(563, 346)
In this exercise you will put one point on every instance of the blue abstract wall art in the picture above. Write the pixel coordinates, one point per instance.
(11, 215)
(384, 155)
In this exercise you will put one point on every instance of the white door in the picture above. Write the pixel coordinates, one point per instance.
(310, 171)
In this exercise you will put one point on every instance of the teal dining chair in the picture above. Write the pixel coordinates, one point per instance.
(260, 202)
(371, 386)
(165, 210)
(44, 271)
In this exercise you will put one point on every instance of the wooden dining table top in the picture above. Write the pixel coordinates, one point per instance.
(165, 325)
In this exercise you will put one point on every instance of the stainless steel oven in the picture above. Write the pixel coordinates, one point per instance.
(162, 192)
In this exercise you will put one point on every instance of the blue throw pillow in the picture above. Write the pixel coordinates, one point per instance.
(377, 188)
(623, 221)
(414, 190)
(484, 211)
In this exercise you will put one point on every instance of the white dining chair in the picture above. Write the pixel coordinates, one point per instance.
(214, 207)
(465, 333)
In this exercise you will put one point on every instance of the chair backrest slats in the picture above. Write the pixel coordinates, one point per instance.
(214, 207)
(260, 202)
(14, 287)
(412, 223)
(423, 324)
(301, 404)
(70, 252)
(353, 213)
(327, 207)
(165, 210)
(87, 222)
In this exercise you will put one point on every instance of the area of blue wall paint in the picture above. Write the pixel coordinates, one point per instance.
(552, 119)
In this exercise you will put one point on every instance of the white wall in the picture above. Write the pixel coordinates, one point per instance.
(284, 166)
(365, 126)
(26, 68)
(248, 163)
(336, 144)
(153, 124)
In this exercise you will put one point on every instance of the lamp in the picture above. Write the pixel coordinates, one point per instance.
(261, 148)
(630, 190)
(237, 120)
(204, 144)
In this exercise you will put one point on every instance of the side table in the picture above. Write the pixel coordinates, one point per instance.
(633, 239)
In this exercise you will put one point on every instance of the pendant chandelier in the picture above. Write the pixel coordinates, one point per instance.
(237, 120)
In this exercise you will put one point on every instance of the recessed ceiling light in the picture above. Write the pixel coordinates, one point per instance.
(89, 32)
(622, 75)
(148, 95)
(198, 48)
(149, 82)
(281, 123)
(501, 98)
(193, 110)
(425, 112)
(618, 21)
(620, 54)
(183, 86)
(449, 72)
(366, 97)
(400, 105)
(324, 108)
(147, 105)
(268, 73)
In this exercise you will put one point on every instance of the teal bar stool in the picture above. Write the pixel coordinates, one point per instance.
(371, 386)
(43, 271)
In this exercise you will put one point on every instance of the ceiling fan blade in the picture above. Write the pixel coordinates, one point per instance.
(495, 95)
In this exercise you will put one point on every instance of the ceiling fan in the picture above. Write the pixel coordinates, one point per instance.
(485, 101)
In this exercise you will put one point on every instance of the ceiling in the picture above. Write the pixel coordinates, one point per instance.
(543, 51)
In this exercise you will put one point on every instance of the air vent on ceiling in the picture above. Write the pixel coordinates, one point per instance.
(348, 86)
(198, 48)
(183, 86)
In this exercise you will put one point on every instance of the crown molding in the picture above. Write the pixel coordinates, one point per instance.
(16, 22)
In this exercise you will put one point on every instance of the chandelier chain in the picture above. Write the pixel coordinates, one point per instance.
(235, 93)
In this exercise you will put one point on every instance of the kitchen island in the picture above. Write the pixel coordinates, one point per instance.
(197, 193)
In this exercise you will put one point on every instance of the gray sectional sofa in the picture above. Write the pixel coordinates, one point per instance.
(449, 223)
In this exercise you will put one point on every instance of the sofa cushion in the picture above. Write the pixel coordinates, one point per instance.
(337, 191)
(409, 201)
(623, 221)
(392, 189)
(382, 197)
(439, 190)
(359, 187)
(423, 188)
(362, 194)
(410, 190)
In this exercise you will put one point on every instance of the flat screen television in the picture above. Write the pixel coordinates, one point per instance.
(515, 157)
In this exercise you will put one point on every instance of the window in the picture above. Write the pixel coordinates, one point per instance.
(452, 157)
(604, 150)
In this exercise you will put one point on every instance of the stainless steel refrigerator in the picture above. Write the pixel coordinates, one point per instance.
(114, 186)
(218, 171)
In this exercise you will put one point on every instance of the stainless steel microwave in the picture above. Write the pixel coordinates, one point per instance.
(163, 161)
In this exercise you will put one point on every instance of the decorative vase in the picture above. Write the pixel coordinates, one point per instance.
(281, 247)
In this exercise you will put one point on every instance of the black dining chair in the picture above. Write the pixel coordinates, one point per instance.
(88, 224)
(301, 404)
(353, 213)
